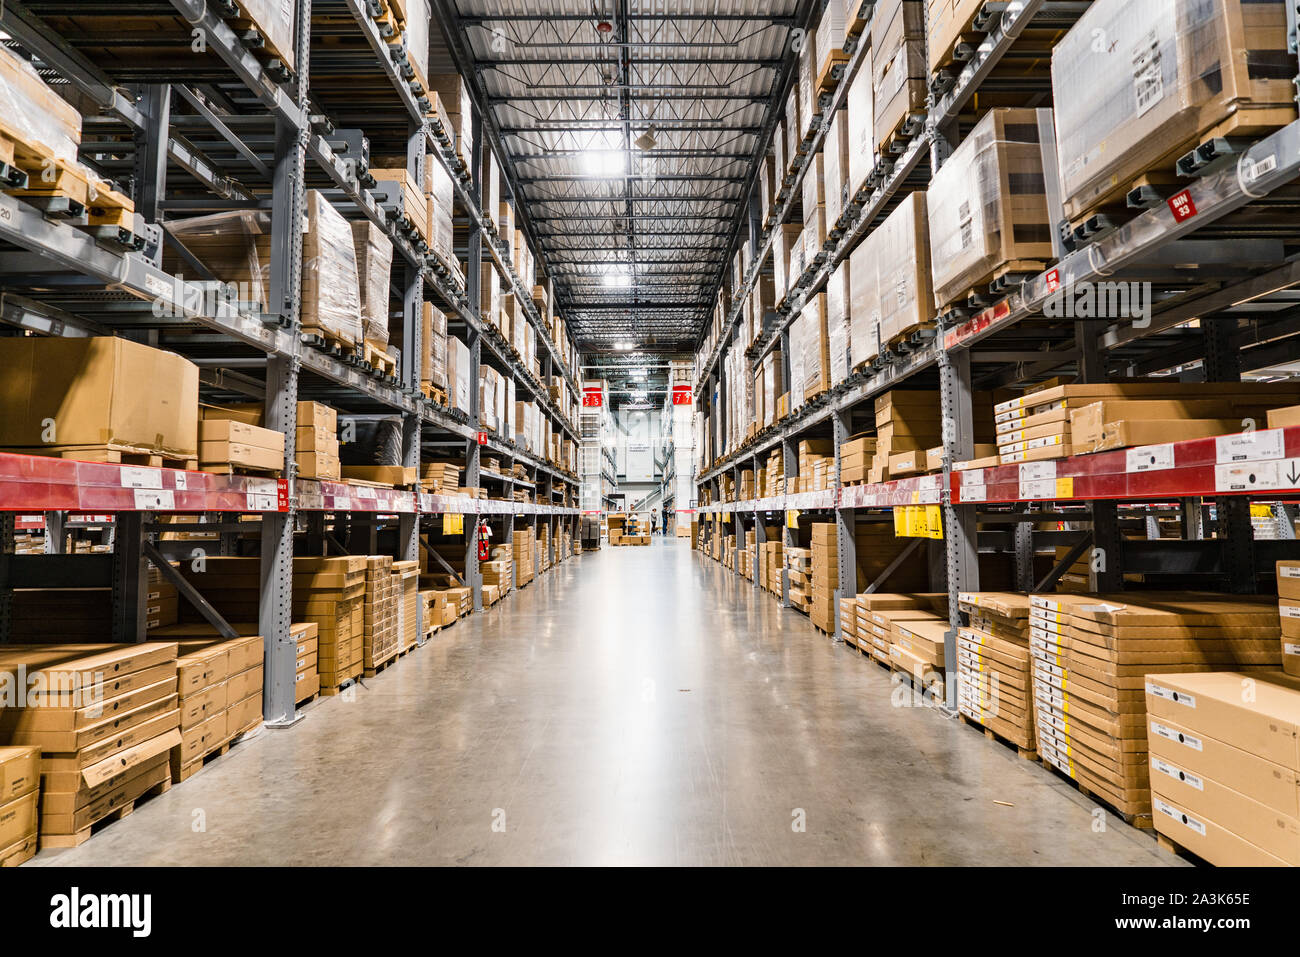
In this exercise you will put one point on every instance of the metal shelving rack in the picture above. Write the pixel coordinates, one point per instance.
(996, 509)
(258, 138)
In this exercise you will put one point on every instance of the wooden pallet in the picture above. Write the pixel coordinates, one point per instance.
(329, 341)
(829, 77)
(114, 454)
(994, 285)
(188, 771)
(1131, 818)
(378, 358)
(857, 17)
(331, 690)
(896, 140)
(155, 783)
(372, 670)
(1170, 846)
(1130, 197)
(226, 468)
(246, 25)
(1030, 754)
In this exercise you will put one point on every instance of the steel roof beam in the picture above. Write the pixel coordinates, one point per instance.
(480, 19)
(762, 62)
(640, 219)
(605, 126)
(657, 177)
(640, 93)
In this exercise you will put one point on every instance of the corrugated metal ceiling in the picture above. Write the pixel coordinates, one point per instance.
(570, 100)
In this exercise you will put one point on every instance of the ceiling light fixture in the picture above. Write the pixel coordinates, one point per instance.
(646, 141)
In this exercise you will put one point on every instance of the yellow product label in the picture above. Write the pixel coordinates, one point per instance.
(1065, 487)
(791, 518)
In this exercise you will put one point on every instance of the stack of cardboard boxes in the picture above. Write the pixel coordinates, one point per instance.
(1288, 606)
(105, 719)
(379, 614)
(881, 614)
(907, 425)
(227, 445)
(856, 456)
(1224, 766)
(1091, 656)
(330, 592)
(306, 681)
(220, 687)
(825, 575)
(524, 543)
(20, 785)
(316, 442)
(406, 596)
(798, 566)
(899, 74)
(995, 683)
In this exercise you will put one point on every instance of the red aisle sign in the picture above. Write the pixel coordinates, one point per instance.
(482, 438)
(282, 495)
(592, 399)
(681, 395)
(1182, 206)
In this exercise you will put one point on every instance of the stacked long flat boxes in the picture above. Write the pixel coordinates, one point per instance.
(877, 612)
(306, 681)
(1225, 768)
(220, 687)
(406, 590)
(105, 720)
(825, 575)
(798, 563)
(20, 785)
(917, 650)
(1091, 655)
(1288, 607)
(899, 66)
(524, 549)
(316, 442)
(379, 613)
(995, 678)
(849, 620)
(330, 592)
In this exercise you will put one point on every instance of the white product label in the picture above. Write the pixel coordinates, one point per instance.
(1041, 488)
(1169, 734)
(1169, 694)
(1289, 648)
(154, 499)
(141, 478)
(1289, 611)
(1149, 458)
(1261, 168)
(1148, 81)
(972, 479)
(1257, 446)
(1037, 471)
(1289, 571)
(1168, 810)
(975, 493)
(261, 502)
(1248, 477)
(157, 285)
(1186, 777)
(182, 481)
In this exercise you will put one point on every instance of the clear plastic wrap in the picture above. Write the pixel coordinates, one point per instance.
(816, 349)
(860, 128)
(1169, 72)
(864, 303)
(34, 112)
(798, 332)
(234, 246)
(835, 164)
(374, 254)
(903, 268)
(988, 203)
(276, 21)
(795, 266)
(330, 298)
(830, 34)
(435, 347)
(837, 321)
(459, 383)
(417, 36)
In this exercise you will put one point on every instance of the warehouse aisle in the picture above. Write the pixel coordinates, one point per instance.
(636, 706)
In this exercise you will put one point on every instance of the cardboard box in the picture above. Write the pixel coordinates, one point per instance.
(1168, 73)
(20, 772)
(382, 474)
(987, 205)
(17, 819)
(97, 391)
(315, 414)
(1267, 726)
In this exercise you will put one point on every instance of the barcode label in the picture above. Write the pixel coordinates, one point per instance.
(1148, 81)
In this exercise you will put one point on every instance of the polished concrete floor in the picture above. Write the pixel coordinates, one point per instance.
(636, 706)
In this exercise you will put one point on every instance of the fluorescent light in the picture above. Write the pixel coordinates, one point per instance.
(609, 163)
(618, 278)
(623, 346)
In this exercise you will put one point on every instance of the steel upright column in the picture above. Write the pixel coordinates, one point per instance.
(1232, 513)
(151, 153)
(959, 527)
(473, 281)
(275, 599)
(845, 522)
